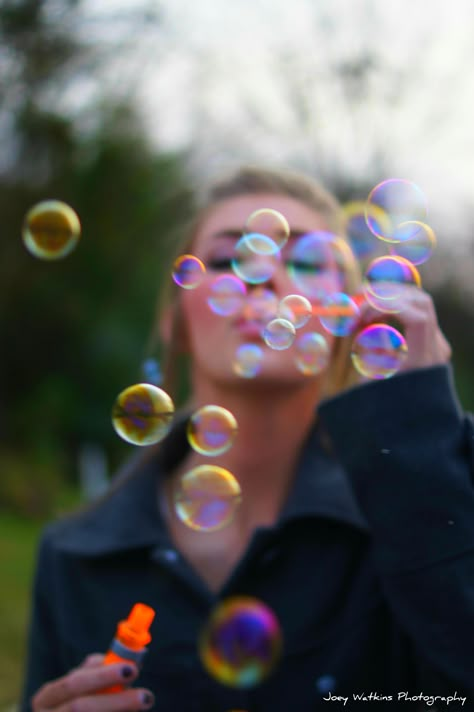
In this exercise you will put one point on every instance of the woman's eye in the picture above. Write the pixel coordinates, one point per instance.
(220, 264)
(306, 267)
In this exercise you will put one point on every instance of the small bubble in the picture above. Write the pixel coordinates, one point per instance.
(326, 683)
(142, 414)
(188, 271)
(51, 230)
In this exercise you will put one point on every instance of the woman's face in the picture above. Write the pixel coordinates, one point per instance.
(212, 339)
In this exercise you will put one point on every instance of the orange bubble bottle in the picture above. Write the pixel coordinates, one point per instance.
(131, 638)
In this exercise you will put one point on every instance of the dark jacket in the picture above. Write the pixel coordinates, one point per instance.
(370, 568)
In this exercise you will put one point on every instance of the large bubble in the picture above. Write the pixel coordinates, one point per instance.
(206, 498)
(241, 643)
(403, 203)
(386, 279)
(279, 334)
(142, 414)
(226, 295)
(342, 314)
(379, 351)
(51, 230)
(211, 430)
(256, 258)
(311, 353)
(188, 271)
(269, 222)
(295, 308)
(248, 360)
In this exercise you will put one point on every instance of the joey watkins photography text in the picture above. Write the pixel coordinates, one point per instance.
(429, 700)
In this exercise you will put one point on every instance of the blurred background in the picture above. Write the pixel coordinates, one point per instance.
(121, 109)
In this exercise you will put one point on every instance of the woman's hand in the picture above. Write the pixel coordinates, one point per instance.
(427, 345)
(78, 691)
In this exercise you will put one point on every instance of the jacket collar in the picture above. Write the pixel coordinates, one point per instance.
(128, 516)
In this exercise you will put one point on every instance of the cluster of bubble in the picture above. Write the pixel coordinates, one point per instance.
(241, 642)
(394, 214)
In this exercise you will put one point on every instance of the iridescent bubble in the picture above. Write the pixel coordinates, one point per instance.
(261, 305)
(256, 258)
(279, 334)
(206, 498)
(295, 308)
(386, 277)
(403, 202)
(269, 222)
(152, 372)
(311, 353)
(211, 430)
(142, 414)
(378, 351)
(342, 314)
(51, 230)
(227, 295)
(241, 643)
(363, 241)
(188, 271)
(248, 360)
(314, 264)
(419, 248)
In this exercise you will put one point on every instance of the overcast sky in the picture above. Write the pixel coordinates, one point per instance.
(261, 80)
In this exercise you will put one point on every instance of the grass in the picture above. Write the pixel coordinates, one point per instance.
(18, 542)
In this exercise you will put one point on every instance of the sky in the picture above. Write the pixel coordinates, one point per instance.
(362, 89)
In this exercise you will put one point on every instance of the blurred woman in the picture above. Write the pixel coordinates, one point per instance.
(356, 525)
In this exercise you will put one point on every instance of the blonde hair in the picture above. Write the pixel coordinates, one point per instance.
(255, 180)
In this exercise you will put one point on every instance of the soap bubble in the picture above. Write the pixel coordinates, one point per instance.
(211, 430)
(419, 248)
(342, 314)
(311, 353)
(279, 334)
(387, 277)
(269, 222)
(295, 308)
(188, 271)
(206, 498)
(152, 372)
(227, 295)
(256, 258)
(379, 351)
(241, 643)
(142, 414)
(403, 203)
(51, 230)
(248, 360)
(362, 239)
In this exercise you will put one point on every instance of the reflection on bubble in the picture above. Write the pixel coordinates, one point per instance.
(211, 430)
(419, 248)
(206, 498)
(295, 308)
(142, 414)
(311, 353)
(188, 271)
(248, 360)
(342, 314)
(378, 351)
(279, 334)
(256, 258)
(152, 372)
(51, 230)
(227, 294)
(402, 202)
(269, 222)
(363, 241)
(241, 642)
(386, 277)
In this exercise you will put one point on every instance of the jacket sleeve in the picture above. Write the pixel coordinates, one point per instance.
(43, 662)
(408, 451)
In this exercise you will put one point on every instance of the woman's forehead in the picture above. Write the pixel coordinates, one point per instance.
(231, 214)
